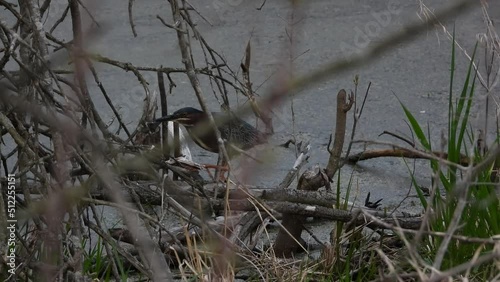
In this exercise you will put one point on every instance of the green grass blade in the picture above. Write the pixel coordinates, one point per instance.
(451, 129)
(464, 97)
(416, 128)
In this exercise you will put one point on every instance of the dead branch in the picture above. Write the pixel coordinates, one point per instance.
(288, 240)
(401, 153)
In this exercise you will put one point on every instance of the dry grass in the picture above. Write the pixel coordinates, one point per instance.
(68, 163)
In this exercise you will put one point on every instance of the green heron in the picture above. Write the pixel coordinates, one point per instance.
(233, 130)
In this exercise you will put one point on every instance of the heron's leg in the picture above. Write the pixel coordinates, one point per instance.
(221, 168)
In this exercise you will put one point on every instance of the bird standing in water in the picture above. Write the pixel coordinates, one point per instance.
(235, 132)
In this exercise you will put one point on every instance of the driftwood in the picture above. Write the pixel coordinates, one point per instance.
(282, 201)
(288, 240)
(403, 153)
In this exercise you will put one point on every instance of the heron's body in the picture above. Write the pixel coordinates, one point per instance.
(234, 131)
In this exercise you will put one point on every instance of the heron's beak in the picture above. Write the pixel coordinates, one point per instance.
(155, 123)
(173, 118)
(166, 118)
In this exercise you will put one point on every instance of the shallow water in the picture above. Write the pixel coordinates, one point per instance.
(416, 73)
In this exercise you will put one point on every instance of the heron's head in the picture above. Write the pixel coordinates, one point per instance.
(186, 116)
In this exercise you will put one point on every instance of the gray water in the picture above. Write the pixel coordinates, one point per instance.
(417, 73)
